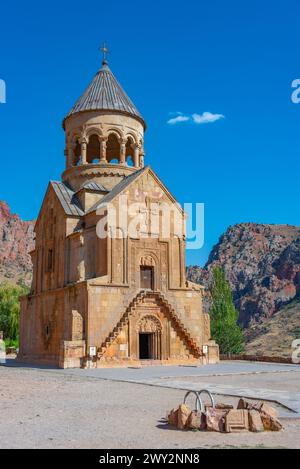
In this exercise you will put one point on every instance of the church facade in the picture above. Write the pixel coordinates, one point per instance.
(109, 285)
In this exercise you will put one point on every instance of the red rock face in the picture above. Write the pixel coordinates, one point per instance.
(16, 241)
(262, 264)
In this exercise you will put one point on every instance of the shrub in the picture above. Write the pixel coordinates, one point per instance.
(10, 309)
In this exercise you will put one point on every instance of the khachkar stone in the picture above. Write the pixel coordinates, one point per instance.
(117, 298)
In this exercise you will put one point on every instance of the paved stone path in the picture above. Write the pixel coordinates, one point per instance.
(196, 378)
(171, 377)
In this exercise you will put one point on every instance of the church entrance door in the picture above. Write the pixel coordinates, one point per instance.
(148, 340)
(146, 346)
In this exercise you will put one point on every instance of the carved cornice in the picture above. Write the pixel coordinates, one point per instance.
(90, 171)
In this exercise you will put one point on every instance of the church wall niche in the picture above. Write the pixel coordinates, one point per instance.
(77, 325)
(76, 258)
(149, 252)
(101, 257)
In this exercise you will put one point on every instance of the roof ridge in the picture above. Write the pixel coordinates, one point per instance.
(118, 188)
(67, 198)
(97, 186)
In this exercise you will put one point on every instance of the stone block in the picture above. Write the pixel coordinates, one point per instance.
(183, 415)
(222, 406)
(243, 404)
(270, 423)
(215, 419)
(237, 421)
(267, 409)
(173, 417)
(196, 421)
(255, 421)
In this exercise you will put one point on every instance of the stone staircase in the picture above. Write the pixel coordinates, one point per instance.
(181, 330)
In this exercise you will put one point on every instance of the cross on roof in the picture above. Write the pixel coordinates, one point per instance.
(105, 51)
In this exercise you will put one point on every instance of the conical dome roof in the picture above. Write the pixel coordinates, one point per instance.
(105, 93)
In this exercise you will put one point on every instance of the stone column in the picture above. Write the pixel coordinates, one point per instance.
(83, 150)
(123, 152)
(141, 158)
(109, 255)
(182, 262)
(136, 157)
(103, 141)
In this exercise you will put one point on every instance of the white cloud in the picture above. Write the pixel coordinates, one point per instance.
(177, 119)
(206, 118)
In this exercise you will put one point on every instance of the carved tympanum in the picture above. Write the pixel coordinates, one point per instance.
(148, 324)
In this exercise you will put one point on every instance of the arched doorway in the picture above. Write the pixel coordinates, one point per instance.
(149, 338)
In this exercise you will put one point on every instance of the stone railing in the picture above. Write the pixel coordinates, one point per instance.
(257, 358)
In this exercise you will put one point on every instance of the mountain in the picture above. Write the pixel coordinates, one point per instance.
(16, 241)
(262, 265)
(274, 337)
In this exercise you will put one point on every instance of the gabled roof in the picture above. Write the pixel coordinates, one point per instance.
(105, 93)
(118, 189)
(67, 198)
(71, 203)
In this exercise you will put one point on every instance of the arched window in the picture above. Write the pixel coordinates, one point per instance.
(129, 151)
(129, 161)
(77, 153)
(113, 149)
(93, 150)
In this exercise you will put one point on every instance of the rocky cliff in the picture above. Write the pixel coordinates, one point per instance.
(262, 264)
(275, 336)
(16, 241)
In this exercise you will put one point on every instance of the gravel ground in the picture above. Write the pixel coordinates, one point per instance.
(42, 409)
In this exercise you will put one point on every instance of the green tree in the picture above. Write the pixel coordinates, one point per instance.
(224, 316)
(10, 309)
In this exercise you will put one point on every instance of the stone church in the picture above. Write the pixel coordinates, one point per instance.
(123, 298)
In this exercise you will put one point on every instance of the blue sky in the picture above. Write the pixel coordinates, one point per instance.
(233, 58)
